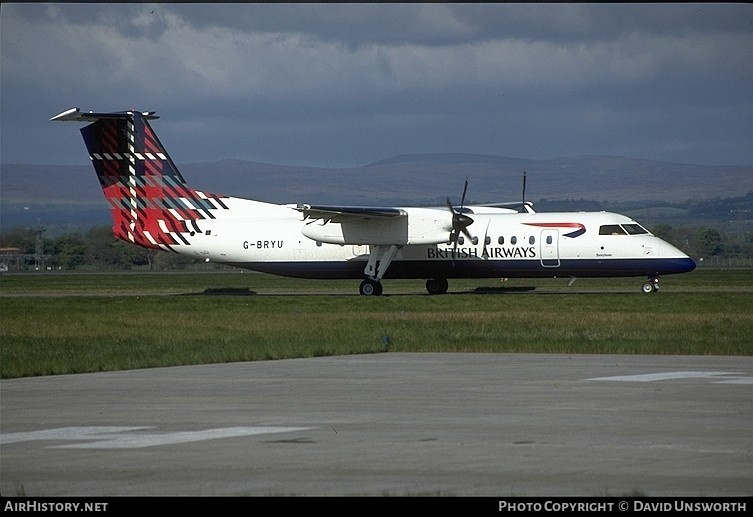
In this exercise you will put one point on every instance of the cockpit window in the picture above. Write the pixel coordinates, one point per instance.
(625, 229)
(611, 229)
(635, 229)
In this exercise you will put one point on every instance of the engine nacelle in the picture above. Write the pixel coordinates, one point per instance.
(416, 226)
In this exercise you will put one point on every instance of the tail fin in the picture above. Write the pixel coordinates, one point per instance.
(150, 202)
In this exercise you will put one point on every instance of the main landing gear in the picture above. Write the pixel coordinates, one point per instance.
(436, 285)
(370, 287)
(377, 267)
(651, 285)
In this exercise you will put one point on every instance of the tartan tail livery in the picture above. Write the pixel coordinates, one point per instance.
(153, 206)
(150, 202)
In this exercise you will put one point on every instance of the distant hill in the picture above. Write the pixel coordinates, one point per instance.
(34, 192)
(429, 178)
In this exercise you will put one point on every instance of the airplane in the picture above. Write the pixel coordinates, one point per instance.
(152, 206)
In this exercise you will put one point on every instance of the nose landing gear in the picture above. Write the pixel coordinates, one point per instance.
(651, 285)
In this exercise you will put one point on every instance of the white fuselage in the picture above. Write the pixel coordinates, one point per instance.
(273, 238)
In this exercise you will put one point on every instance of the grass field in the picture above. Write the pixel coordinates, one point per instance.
(69, 323)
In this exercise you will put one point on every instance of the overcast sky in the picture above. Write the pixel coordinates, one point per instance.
(341, 85)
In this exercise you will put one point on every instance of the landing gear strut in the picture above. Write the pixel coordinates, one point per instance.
(651, 285)
(372, 286)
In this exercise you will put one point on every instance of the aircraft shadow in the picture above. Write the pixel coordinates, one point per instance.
(478, 291)
(226, 291)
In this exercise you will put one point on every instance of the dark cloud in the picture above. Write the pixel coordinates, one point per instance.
(347, 84)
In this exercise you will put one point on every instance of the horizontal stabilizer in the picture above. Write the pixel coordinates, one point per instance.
(528, 206)
(76, 115)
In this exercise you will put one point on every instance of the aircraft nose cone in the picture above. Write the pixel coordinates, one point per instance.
(687, 264)
(678, 265)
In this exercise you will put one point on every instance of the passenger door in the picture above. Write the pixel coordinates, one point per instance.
(549, 247)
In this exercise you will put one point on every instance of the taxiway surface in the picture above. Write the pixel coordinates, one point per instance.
(396, 424)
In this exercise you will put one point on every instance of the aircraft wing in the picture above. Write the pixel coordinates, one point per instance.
(348, 213)
(376, 226)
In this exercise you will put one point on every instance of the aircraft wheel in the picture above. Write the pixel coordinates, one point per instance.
(370, 287)
(649, 287)
(436, 286)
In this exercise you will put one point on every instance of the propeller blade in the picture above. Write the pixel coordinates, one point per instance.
(460, 221)
(486, 237)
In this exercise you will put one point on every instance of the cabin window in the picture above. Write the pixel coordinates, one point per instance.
(461, 240)
(548, 239)
(531, 240)
(611, 229)
(475, 241)
(513, 240)
(501, 240)
(487, 240)
(634, 229)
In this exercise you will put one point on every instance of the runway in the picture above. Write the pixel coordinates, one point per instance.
(390, 424)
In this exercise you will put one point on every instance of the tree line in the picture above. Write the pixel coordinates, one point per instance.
(97, 249)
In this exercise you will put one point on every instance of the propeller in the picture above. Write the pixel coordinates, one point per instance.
(486, 238)
(460, 221)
